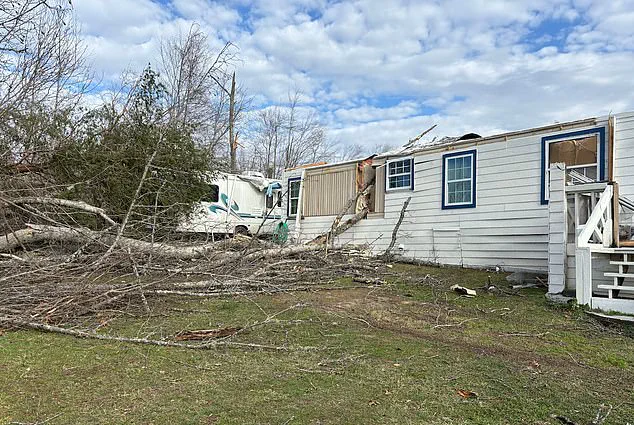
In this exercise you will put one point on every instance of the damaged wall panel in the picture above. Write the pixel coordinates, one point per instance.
(377, 196)
(326, 190)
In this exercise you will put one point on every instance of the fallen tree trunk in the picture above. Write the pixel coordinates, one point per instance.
(79, 205)
(350, 222)
(227, 257)
(41, 233)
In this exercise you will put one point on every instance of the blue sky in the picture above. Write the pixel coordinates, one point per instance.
(380, 72)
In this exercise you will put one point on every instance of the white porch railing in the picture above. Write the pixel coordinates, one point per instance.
(596, 238)
(598, 231)
(581, 229)
(592, 236)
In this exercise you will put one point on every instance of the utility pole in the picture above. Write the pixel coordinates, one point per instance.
(233, 142)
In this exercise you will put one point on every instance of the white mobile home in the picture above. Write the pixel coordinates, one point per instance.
(519, 201)
(237, 204)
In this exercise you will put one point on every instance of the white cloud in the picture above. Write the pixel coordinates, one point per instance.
(371, 113)
(471, 62)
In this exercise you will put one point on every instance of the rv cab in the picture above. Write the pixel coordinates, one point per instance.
(237, 204)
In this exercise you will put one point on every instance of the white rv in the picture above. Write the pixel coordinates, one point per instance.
(237, 204)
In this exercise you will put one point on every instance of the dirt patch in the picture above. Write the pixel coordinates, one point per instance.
(429, 321)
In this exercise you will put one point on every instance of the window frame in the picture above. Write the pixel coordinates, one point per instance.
(210, 199)
(473, 154)
(275, 198)
(290, 197)
(562, 137)
(411, 174)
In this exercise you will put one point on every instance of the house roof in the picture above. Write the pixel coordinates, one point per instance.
(472, 138)
(467, 139)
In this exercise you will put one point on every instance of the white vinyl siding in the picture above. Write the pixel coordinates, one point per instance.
(509, 228)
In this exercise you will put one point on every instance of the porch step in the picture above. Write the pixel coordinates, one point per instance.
(622, 263)
(617, 288)
(626, 275)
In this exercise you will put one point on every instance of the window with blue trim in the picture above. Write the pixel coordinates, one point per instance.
(400, 174)
(583, 152)
(459, 180)
(580, 156)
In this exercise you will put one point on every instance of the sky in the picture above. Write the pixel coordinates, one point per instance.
(381, 72)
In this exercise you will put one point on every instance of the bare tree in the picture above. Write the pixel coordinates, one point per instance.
(286, 136)
(357, 150)
(43, 73)
(204, 96)
(266, 147)
(347, 152)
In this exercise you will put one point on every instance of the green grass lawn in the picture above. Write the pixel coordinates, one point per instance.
(390, 355)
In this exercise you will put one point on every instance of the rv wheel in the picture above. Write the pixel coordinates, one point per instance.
(241, 230)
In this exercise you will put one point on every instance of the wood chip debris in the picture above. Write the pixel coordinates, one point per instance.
(463, 291)
(466, 394)
(203, 334)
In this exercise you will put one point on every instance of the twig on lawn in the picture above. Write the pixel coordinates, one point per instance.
(601, 416)
(526, 334)
(38, 422)
(450, 325)
(82, 334)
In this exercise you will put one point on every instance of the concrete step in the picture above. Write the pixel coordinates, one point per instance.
(616, 287)
(625, 275)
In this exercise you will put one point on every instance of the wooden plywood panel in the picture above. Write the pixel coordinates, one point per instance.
(379, 192)
(327, 191)
(574, 152)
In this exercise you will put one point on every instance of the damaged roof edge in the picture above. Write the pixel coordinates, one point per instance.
(455, 142)
(331, 164)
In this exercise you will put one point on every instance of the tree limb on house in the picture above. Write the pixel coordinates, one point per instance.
(336, 228)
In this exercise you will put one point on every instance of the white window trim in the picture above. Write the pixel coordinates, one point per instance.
(387, 174)
(565, 139)
(470, 179)
(291, 198)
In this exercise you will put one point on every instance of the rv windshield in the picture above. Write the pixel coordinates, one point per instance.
(212, 195)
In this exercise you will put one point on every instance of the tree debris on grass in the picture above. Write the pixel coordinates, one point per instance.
(207, 334)
(76, 292)
(466, 394)
(463, 291)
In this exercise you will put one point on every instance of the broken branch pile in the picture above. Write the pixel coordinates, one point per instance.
(60, 275)
(50, 292)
